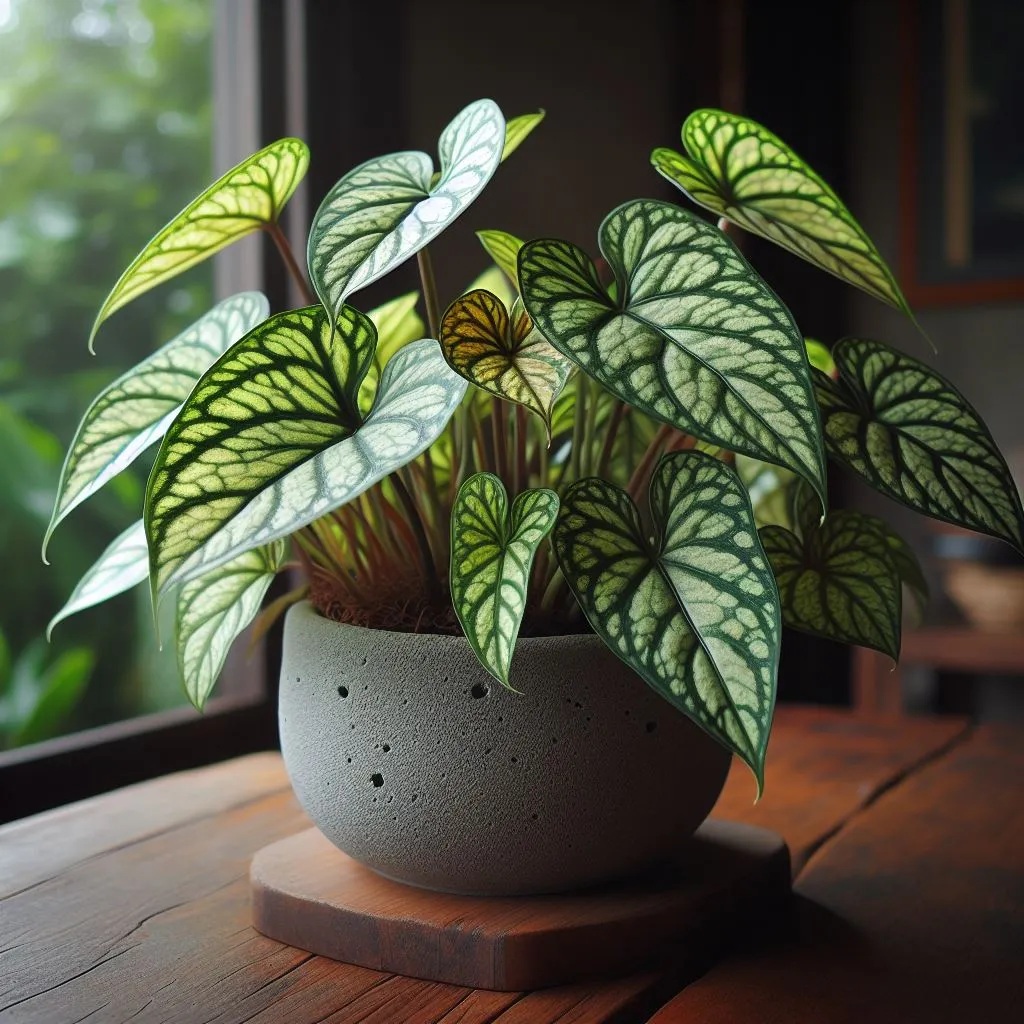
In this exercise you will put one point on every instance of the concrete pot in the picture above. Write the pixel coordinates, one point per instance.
(413, 760)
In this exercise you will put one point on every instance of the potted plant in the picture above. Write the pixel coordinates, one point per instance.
(613, 471)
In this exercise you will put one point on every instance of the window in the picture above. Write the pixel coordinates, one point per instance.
(105, 133)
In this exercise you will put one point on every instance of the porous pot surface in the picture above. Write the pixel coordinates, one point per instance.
(413, 760)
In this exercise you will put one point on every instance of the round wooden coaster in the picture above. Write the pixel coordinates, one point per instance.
(309, 894)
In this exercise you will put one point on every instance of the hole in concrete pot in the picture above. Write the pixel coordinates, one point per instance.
(478, 691)
(377, 779)
(342, 691)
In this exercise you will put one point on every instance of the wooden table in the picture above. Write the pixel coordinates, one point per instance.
(908, 850)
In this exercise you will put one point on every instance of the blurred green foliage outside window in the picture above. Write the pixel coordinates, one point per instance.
(105, 133)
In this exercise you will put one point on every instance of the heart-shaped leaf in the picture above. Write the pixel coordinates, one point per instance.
(249, 197)
(838, 581)
(214, 609)
(387, 209)
(285, 392)
(908, 568)
(912, 436)
(696, 339)
(503, 248)
(492, 553)
(694, 612)
(740, 170)
(505, 356)
(517, 129)
(415, 400)
(123, 565)
(135, 411)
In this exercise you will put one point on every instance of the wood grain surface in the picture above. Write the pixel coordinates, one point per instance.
(135, 905)
(728, 878)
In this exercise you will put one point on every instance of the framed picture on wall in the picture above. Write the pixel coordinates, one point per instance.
(962, 158)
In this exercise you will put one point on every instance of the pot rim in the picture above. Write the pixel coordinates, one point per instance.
(306, 607)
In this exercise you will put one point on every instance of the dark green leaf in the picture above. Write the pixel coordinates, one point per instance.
(838, 581)
(697, 340)
(492, 553)
(695, 612)
(743, 172)
(913, 437)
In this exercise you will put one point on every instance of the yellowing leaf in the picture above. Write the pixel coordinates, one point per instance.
(507, 357)
(248, 197)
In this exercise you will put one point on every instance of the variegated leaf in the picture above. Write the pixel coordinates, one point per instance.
(214, 609)
(913, 437)
(517, 129)
(743, 172)
(694, 612)
(503, 248)
(415, 400)
(696, 339)
(492, 553)
(135, 411)
(285, 392)
(505, 356)
(387, 209)
(248, 197)
(838, 581)
(123, 565)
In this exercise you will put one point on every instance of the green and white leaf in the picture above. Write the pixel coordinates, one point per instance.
(503, 248)
(387, 209)
(249, 197)
(696, 340)
(418, 394)
(908, 432)
(286, 392)
(123, 565)
(516, 131)
(214, 609)
(838, 581)
(908, 568)
(136, 409)
(741, 171)
(397, 324)
(492, 554)
(694, 612)
(503, 355)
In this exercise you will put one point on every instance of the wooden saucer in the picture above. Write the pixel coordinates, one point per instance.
(309, 894)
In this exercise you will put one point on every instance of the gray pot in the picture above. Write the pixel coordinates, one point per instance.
(413, 760)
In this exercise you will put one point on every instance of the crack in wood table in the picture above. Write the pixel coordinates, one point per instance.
(907, 842)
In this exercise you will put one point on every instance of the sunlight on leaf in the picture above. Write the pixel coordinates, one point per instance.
(741, 171)
(135, 411)
(492, 553)
(123, 565)
(503, 248)
(247, 198)
(516, 131)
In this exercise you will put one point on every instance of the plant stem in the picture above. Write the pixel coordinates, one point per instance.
(284, 248)
(579, 427)
(636, 481)
(416, 522)
(500, 442)
(429, 286)
(618, 415)
(521, 436)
